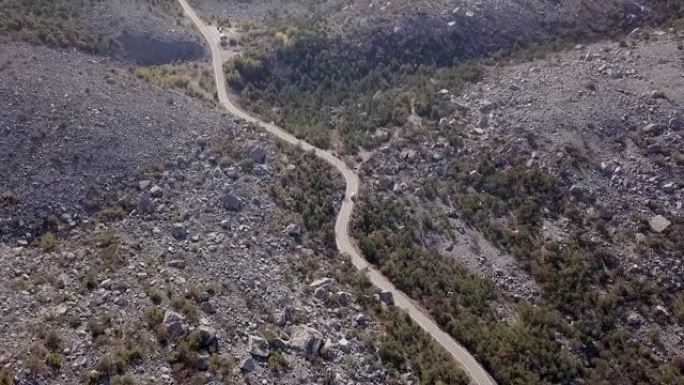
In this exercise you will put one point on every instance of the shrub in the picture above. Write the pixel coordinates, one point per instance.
(277, 362)
(126, 379)
(111, 214)
(54, 360)
(53, 341)
(8, 199)
(97, 327)
(51, 22)
(153, 316)
(48, 242)
(6, 376)
(187, 307)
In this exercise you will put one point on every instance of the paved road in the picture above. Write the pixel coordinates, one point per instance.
(344, 242)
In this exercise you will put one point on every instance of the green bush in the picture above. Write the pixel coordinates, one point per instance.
(320, 84)
(48, 242)
(580, 281)
(54, 360)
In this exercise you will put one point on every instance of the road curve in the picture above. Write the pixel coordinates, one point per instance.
(345, 244)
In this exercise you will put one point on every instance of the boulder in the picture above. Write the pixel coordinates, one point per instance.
(658, 95)
(362, 320)
(321, 293)
(202, 362)
(179, 231)
(145, 205)
(257, 154)
(386, 297)
(207, 339)
(174, 322)
(156, 191)
(144, 184)
(293, 230)
(633, 319)
(231, 202)
(208, 307)
(288, 315)
(581, 194)
(327, 349)
(654, 128)
(306, 340)
(344, 345)
(322, 282)
(258, 347)
(343, 298)
(247, 365)
(660, 313)
(669, 187)
(654, 148)
(659, 223)
(278, 344)
(676, 124)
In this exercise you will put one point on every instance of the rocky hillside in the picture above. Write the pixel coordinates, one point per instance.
(147, 237)
(560, 182)
(333, 68)
(79, 134)
(195, 276)
(140, 31)
(523, 183)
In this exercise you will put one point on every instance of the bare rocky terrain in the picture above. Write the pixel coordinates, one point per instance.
(146, 33)
(89, 124)
(147, 237)
(202, 280)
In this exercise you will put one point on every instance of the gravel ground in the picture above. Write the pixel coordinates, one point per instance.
(72, 122)
(146, 34)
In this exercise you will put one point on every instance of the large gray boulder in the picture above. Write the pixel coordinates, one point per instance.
(659, 223)
(386, 297)
(257, 154)
(306, 340)
(247, 365)
(145, 205)
(174, 322)
(258, 347)
(231, 202)
(156, 191)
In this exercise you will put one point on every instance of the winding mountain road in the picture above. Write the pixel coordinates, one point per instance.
(345, 244)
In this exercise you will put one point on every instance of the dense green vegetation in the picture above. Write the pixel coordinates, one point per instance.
(319, 84)
(307, 187)
(520, 353)
(573, 334)
(580, 279)
(52, 22)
